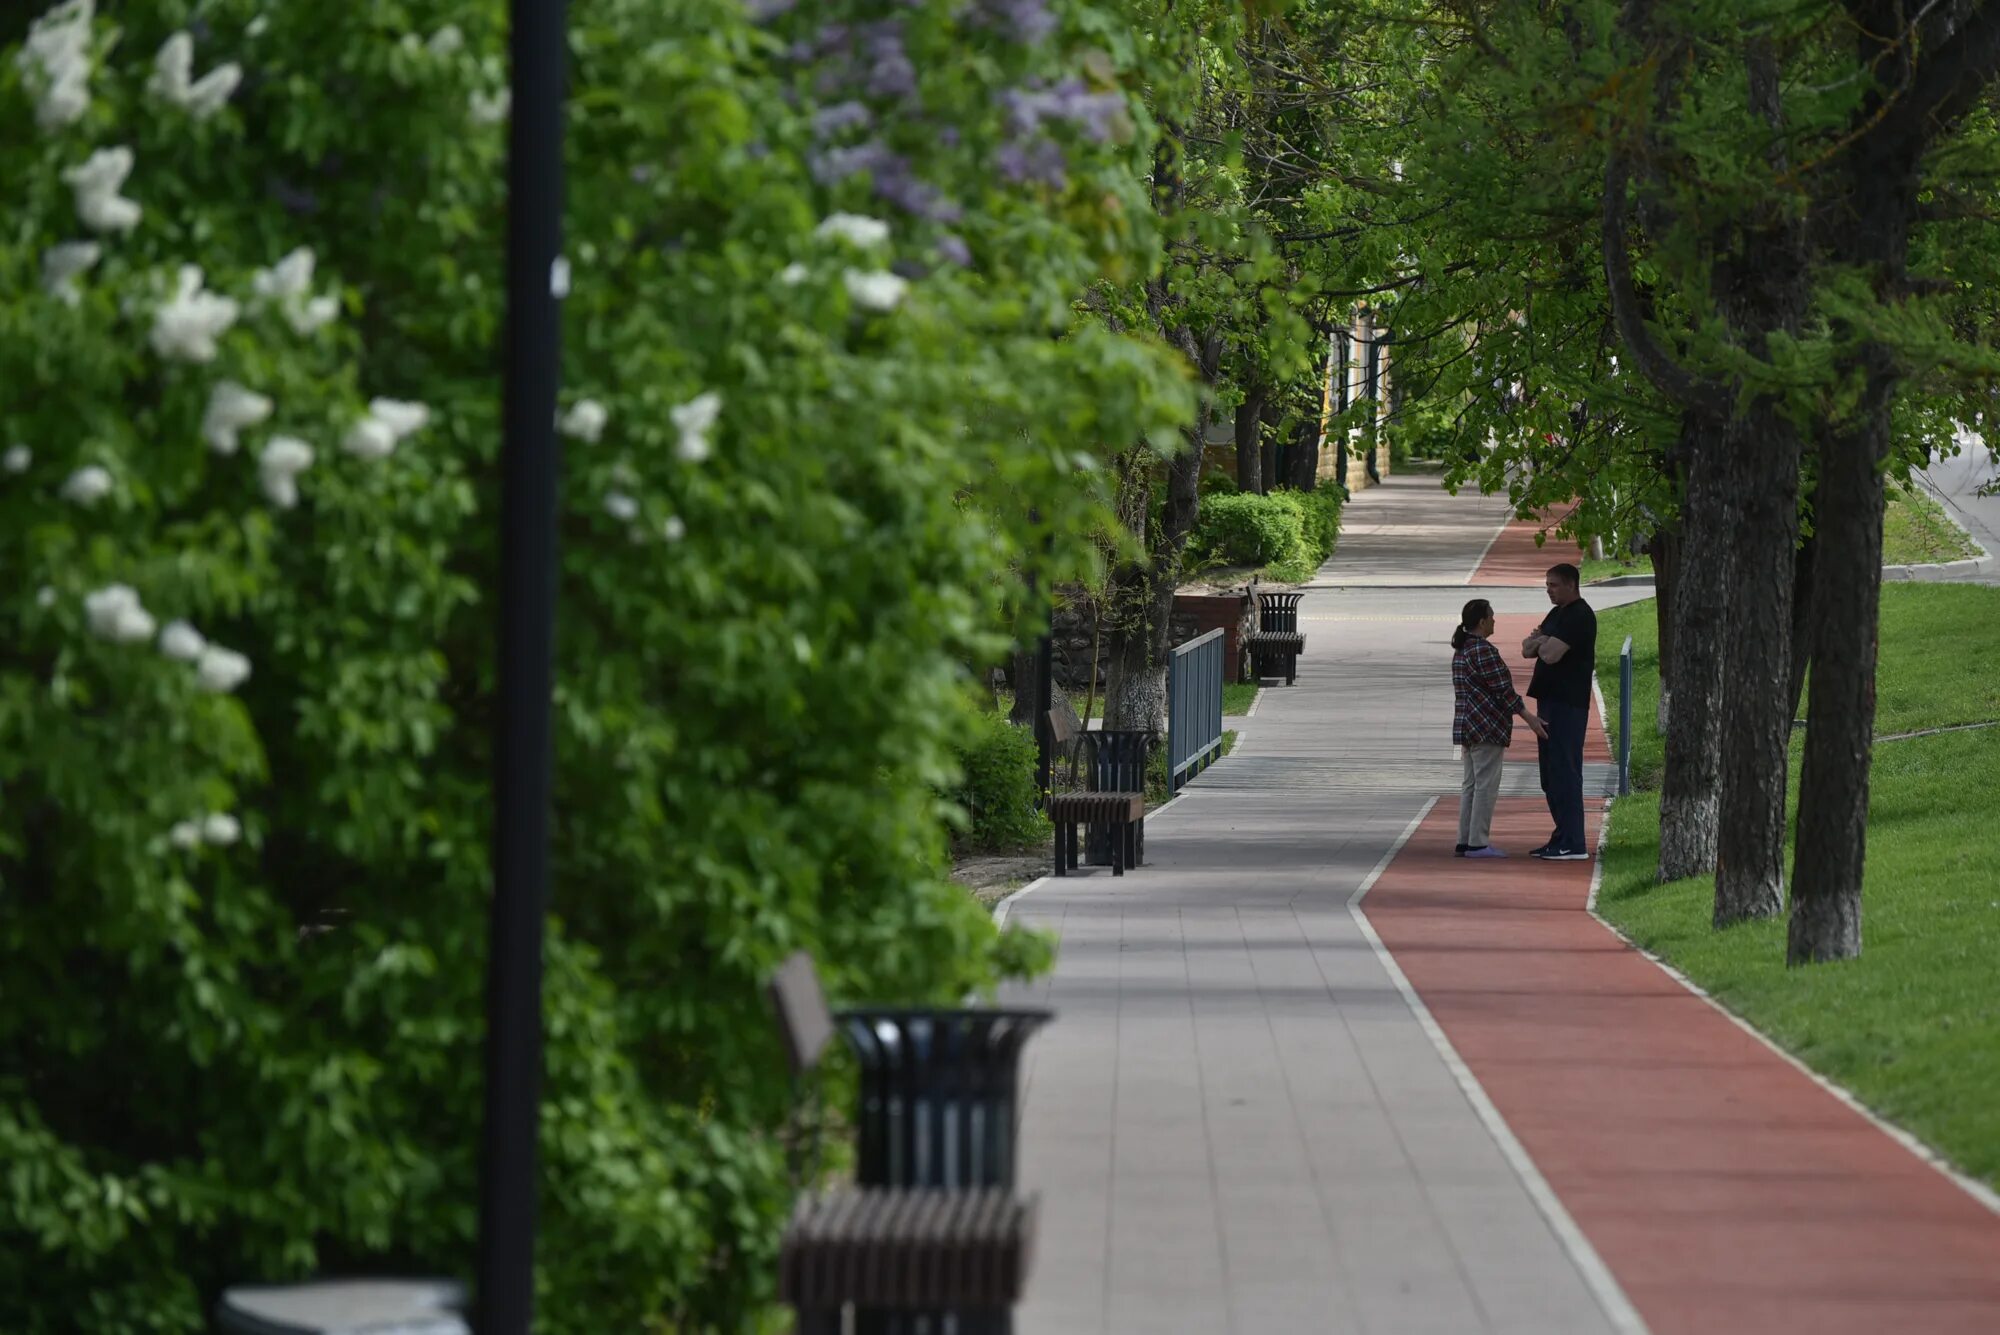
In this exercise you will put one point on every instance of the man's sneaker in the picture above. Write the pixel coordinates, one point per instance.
(1543, 851)
(1485, 851)
(1558, 854)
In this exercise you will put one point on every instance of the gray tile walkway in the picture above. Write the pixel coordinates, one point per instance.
(1237, 1122)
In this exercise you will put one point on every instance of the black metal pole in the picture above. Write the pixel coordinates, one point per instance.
(1045, 700)
(530, 470)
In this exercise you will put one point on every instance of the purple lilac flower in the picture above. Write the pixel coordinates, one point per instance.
(949, 137)
(900, 187)
(837, 164)
(890, 71)
(1038, 161)
(953, 248)
(1096, 114)
(830, 121)
(1024, 21)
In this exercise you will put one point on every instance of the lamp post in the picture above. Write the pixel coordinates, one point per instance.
(531, 468)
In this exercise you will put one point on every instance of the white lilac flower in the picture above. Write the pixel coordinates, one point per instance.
(115, 613)
(221, 829)
(559, 278)
(854, 229)
(96, 182)
(231, 408)
(876, 291)
(45, 596)
(221, 670)
(279, 466)
(63, 264)
(56, 56)
(446, 41)
(172, 80)
(793, 274)
(369, 439)
(181, 642)
(290, 277)
(309, 317)
(403, 416)
(185, 835)
(585, 421)
(387, 423)
(288, 284)
(187, 325)
(694, 420)
(17, 459)
(673, 529)
(87, 485)
(621, 506)
(490, 108)
(257, 26)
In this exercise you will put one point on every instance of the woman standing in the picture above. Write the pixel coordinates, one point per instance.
(1482, 723)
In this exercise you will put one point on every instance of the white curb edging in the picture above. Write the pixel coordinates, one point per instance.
(1597, 1276)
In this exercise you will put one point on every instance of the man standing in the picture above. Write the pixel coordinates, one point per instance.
(1564, 650)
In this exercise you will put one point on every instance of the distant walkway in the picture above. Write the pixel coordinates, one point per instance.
(1957, 483)
(1252, 1115)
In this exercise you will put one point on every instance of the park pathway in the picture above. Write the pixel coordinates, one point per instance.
(1473, 1108)
(1238, 1122)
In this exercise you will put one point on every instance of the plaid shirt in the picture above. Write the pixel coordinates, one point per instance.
(1486, 701)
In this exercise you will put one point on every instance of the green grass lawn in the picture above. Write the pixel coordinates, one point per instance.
(1612, 566)
(1913, 1026)
(1915, 531)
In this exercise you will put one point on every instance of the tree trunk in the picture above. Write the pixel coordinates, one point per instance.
(1249, 448)
(1804, 589)
(1690, 792)
(1665, 553)
(1021, 676)
(1833, 786)
(1268, 450)
(1303, 475)
(1763, 449)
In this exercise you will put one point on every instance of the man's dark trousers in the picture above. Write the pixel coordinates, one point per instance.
(1562, 769)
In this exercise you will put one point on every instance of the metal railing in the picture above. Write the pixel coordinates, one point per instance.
(1625, 719)
(1194, 708)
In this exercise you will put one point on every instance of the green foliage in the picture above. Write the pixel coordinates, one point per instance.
(996, 791)
(1288, 533)
(244, 942)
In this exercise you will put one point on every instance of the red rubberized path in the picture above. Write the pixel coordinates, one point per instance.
(1515, 559)
(1725, 1189)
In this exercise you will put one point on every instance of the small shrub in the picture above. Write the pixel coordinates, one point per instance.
(1287, 533)
(997, 791)
(1249, 530)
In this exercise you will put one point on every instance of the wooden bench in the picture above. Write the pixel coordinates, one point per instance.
(1115, 801)
(1276, 644)
(907, 1257)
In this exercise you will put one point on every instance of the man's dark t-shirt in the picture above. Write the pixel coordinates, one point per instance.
(1567, 681)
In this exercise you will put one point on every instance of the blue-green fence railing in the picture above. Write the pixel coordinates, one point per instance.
(1194, 708)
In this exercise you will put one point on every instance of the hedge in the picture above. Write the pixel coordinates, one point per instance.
(1288, 534)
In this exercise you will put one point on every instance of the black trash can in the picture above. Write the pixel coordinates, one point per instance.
(939, 1094)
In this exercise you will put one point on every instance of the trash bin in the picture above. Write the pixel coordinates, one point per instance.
(939, 1094)
(345, 1307)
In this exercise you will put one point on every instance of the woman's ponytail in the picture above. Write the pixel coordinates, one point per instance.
(1459, 637)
